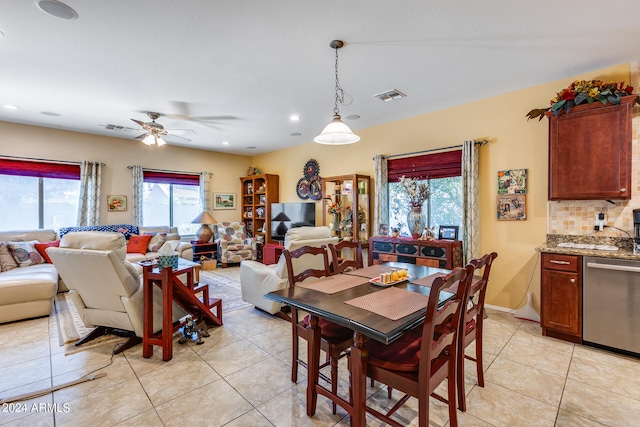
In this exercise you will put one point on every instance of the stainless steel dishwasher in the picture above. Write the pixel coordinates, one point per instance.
(611, 303)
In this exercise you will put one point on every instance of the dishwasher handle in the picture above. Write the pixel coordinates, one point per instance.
(613, 267)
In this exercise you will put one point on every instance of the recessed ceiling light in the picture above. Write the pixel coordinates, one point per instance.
(50, 113)
(353, 117)
(295, 134)
(294, 118)
(11, 107)
(57, 9)
(225, 142)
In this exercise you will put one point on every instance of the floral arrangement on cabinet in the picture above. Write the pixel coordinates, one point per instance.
(418, 192)
(583, 92)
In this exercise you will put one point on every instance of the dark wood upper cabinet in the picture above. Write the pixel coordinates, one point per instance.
(590, 152)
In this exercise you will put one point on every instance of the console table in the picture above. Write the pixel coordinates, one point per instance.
(185, 294)
(430, 253)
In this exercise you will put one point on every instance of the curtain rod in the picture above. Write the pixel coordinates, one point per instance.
(44, 160)
(481, 142)
(168, 171)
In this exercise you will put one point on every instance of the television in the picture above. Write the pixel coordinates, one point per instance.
(285, 216)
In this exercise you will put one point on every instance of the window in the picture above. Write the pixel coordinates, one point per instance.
(171, 199)
(443, 172)
(38, 194)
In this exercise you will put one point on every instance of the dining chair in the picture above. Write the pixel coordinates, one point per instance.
(422, 358)
(345, 255)
(471, 326)
(334, 339)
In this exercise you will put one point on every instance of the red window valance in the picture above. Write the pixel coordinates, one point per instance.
(431, 166)
(171, 178)
(39, 169)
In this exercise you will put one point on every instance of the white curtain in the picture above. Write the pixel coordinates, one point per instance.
(89, 201)
(205, 192)
(470, 207)
(137, 194)
(381, 205)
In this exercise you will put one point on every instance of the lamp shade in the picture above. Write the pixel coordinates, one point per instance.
(204, 218)
(204, 233)
(281, 217)
(336, 133)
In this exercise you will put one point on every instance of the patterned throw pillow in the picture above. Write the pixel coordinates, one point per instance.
(6, 259)
(42, 249)
(138, 244)
(157, 240)
(25, 253)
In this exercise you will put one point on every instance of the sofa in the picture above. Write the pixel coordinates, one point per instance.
(233, 244)
(257, 279)
(27, 290)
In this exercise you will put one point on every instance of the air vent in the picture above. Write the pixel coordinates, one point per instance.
(118, 128)
(390, 95)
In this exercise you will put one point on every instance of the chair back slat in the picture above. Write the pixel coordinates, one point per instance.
(479, 287)
(339, 262)
(299, 276)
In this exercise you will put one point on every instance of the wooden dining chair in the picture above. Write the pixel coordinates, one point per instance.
(422, 358)
(471, 326)
(340, 261)
(335, 339)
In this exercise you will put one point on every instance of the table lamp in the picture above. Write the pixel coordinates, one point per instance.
(204, 233)
(281, 228)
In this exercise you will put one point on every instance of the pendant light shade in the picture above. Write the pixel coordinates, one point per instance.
(337, 132)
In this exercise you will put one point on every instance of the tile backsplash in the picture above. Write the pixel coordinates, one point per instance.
(577, 217)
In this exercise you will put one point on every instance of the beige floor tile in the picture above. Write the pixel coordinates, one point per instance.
(142, 366)
(539, 352)
(567, 419)
(214, 404)
(88, 360)
(44, 418)
(20, 351)
(24, 373)
(25, 408)
(287, 409)
(259, 382)
(107, 406)
(501, 324)
(226, 360)
(599, 405)
(499, 406)
(220, 337)
(252, 418)
(145, 419)
(526, 380)
(408, 413)
(274, 341)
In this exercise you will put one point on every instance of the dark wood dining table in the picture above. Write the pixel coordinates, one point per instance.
(364, 323)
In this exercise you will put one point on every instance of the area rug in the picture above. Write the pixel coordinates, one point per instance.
(71, 328)
(222, 284)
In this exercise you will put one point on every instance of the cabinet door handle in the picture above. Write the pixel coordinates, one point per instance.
(622, 190)
(555, 261)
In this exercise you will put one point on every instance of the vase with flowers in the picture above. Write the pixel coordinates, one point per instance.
(335, 208)
(583, 92)
(418, 193)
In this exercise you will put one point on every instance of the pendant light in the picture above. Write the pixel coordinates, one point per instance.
(337, 132)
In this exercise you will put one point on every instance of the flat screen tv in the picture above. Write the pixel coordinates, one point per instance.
(291, 215)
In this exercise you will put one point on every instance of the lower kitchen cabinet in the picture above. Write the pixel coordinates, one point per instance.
(561, 296)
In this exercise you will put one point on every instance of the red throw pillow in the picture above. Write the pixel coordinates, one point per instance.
(42, 249)
(138, 244)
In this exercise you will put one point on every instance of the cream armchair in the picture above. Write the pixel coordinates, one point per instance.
(105, 288)
(257, 279)
(233, 243)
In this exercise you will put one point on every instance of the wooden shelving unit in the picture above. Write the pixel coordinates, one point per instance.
(352, 192)
(258, 192)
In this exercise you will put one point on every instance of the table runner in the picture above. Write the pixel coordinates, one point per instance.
(428, 280)
(333, 284)
(371, 271)
(392, 303)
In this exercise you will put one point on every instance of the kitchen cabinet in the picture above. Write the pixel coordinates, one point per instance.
(258, 192)
(590, 152)
(351, 193)
(430, 253)
(561, 296)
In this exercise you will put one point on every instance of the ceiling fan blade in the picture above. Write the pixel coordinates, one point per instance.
(141, 136)
(175, 138)
(143, 124)
(182, 131)
(214, 118)
(181, 107)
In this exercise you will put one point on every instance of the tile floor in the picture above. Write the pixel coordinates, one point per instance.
(241, 377)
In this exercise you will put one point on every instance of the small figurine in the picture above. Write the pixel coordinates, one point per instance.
(395, 232)
(190, 328)
(428, 234)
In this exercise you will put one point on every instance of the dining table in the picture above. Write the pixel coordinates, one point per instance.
(373, 310)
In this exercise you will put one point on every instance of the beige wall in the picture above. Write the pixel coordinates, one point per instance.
(117, 154)
(515, 143)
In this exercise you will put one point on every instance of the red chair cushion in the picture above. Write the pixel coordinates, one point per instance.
(42, 249)
(401, 355)
(329, 329)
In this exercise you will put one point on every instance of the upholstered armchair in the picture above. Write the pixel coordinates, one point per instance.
(233, 244)
(257, 279)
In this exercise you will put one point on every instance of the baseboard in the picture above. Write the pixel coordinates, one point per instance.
(499, 308)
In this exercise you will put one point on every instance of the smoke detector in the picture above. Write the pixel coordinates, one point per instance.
(390, 95)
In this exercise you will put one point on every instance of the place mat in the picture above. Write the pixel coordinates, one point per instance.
(428, 280)
(333, 284)
(370, 272)
(392, 303)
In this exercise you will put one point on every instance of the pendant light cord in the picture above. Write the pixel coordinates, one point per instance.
(340, 93)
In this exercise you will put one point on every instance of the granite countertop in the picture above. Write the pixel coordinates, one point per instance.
(625, 246)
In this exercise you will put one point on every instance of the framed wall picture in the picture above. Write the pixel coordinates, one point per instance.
(117, 203)
(512, 181)
(224, 201)
(511, 207)
(448, 232)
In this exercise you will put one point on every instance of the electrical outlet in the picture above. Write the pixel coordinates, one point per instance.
(601, 219)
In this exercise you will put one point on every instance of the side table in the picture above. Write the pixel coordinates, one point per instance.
(185, 294)
(208, 249)
(271, 253)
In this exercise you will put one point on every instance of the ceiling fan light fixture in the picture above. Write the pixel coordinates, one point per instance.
(160, 141)
(336, 133)
(149, 140)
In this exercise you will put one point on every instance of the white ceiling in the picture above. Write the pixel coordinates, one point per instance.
(261, 61)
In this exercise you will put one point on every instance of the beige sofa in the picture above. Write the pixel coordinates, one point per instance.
(184, 249)
(27, 292)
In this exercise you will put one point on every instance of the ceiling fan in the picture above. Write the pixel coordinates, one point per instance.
(156, 133)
